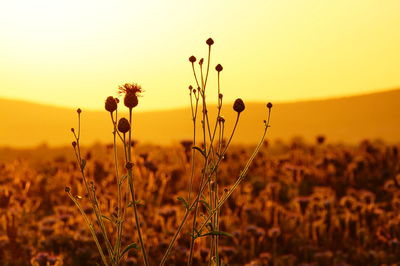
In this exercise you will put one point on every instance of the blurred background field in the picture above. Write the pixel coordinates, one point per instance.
(302, 203)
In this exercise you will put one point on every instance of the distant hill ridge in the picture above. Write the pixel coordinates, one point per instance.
(348, 120)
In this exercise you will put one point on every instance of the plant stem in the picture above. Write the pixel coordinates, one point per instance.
(132, 190)
(89, 224)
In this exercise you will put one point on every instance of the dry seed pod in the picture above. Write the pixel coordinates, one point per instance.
(238, 105)
(111, 104)
(123, 125)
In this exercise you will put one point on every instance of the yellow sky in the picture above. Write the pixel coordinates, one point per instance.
(75, 53)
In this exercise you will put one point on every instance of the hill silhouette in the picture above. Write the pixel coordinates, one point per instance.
(348, 120)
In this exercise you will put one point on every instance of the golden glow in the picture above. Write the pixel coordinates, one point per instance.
(76, 53)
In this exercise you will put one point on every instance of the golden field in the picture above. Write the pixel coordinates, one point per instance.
(300, 204)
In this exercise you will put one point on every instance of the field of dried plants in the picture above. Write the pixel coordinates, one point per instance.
(304, 204)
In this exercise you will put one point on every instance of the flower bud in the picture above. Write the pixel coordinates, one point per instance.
(111, 104)
(79, 110)
(238, 105)
(67, 189)
(269, 105)
(129, 165)
(219, 68)
(192, 59)
(210, 41)
(123, 125)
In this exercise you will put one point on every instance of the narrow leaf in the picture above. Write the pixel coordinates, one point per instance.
(105, 217)
(129, 247)
(137, 202)
(206, 204)
(83, 164)
(216, 233)
(122, 179)
(200, 150)
(184, 202)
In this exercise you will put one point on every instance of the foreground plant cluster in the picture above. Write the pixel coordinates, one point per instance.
(316, 204)
(203, 180)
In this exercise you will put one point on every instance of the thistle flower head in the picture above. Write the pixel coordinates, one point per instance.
(123, 125)
(131, 100)
(130, 88)
(238, 105)
(111, 104)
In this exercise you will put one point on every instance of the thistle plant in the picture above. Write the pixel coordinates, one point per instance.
(122, 130)
(207, 152)
(212, 152)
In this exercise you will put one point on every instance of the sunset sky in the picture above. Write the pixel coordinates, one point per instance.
(76, 53)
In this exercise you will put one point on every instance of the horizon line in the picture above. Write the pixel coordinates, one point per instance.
(299, 100)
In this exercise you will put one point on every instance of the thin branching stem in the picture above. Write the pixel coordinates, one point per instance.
(91, 228)
(119, 202)
(91, 196)
(132, 190)
(240, 178)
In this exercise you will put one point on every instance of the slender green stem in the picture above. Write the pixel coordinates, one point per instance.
(92, 231)
(119, 203)
(172, 242)
(194, 118)
(240, 178)
(92, 197)
(132, 190)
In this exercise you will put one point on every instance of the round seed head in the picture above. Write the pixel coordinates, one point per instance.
(190, 88)
(192, 59)
(74, 144)
(111, 104)
(238, 105)
(67, 189)
(123, 125)
(79, 110)
(269, 105)
(221, 119)
(72, 129)
(131, 100)
(219, 68)
(210, 41)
